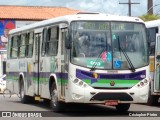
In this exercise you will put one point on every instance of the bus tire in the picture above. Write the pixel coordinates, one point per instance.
(123, 107)
(56, 106)
(24, 98)
(152, 100)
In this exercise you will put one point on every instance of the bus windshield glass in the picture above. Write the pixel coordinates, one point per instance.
(97, 44)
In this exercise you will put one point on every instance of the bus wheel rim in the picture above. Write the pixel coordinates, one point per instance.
(54, 97)
(22, 91)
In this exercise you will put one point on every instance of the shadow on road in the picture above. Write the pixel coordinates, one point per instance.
(79, 110)
(85, 110)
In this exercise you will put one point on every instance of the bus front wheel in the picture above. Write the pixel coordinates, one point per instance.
(152, 100)
(56, 106)
(123, 107)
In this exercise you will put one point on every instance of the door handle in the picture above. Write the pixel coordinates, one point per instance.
(35, 62)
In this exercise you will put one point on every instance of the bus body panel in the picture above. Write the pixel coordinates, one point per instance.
(83, 94)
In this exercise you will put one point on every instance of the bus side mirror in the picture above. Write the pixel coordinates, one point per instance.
(68, 41)
(158, 48)
(158, 58)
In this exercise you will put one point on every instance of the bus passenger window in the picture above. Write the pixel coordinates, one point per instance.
(14, 47)
(52, 41)
(29, 44)
(47, 41)
(22, 46)
(44, 38)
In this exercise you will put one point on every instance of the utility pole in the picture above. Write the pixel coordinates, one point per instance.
(129, 6)
(150, 7)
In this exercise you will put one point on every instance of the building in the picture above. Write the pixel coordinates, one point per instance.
(17, 16)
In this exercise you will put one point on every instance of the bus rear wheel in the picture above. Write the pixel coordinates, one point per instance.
(24, 98)
(123, 107)
(56, 106)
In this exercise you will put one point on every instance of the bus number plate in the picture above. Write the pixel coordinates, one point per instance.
(111, 102)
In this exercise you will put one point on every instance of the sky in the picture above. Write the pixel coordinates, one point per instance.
(103, 6)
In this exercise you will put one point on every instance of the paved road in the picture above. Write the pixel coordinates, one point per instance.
(78, 110)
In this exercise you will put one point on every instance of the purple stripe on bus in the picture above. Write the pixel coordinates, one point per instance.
(81, 74)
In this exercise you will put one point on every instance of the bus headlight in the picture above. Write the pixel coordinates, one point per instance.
(142, 83)
(80, 83)
(76, 80)
(145, 81)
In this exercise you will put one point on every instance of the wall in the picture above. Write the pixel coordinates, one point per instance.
(5, 26)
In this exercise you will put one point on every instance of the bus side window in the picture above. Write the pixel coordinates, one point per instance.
(44, 38)
(52, 41)
(11, 47)
(22, 46)
(152, 48)
(152, 34)
(47, 41)
(29, 44)
(14, 47)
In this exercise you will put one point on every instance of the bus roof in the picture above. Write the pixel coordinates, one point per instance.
(153, 23)
(78, 16)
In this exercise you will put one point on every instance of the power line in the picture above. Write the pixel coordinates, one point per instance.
(157, 13)
(129, 6)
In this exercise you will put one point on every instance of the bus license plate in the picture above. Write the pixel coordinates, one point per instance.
(111, 102)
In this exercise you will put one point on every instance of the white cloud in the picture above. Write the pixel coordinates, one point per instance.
(105, 6)
(109, 6)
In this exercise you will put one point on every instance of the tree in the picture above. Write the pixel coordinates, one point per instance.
(147, 17)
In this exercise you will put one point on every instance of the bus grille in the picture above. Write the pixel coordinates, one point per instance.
(111, 96)
(112, 88)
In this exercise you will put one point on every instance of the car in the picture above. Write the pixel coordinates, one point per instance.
(2, 83)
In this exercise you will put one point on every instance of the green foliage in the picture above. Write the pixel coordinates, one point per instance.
(147, 17)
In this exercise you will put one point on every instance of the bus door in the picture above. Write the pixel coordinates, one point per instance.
(37, 63)
(64, 62)
(157, 65)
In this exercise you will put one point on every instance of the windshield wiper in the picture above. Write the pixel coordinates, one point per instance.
(96, 62)
(126, 56)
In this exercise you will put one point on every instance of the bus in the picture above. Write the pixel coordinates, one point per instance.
(80, 58)
(154, 52)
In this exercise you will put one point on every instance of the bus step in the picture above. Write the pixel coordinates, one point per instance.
(38, 98)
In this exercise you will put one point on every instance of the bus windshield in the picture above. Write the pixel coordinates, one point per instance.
(97, 44)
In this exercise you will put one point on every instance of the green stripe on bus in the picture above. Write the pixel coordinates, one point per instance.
(117, 81)
(115, 85)
(106, 83)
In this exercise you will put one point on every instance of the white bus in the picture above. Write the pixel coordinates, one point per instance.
(154, 50)
(81, 58)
